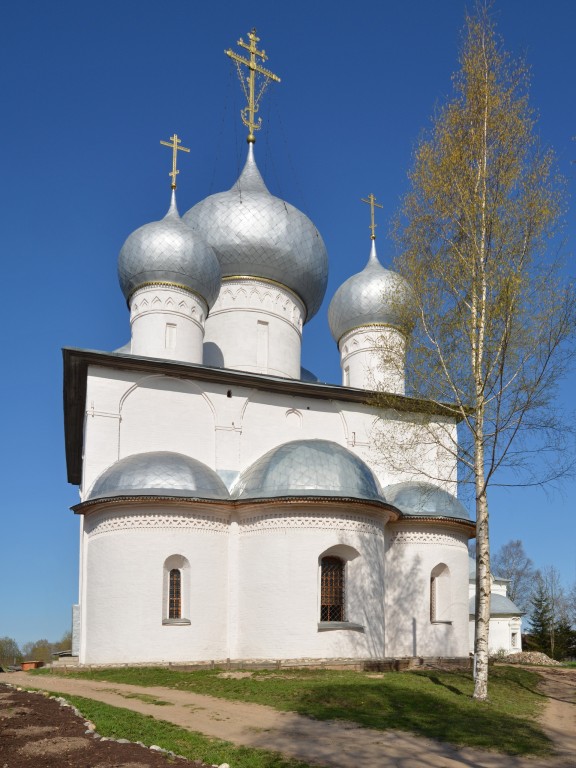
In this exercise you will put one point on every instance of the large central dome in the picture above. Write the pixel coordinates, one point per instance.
(255, 234)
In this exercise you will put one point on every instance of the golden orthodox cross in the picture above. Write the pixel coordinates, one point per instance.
(248, 114)
(373, 204)
(174, 142)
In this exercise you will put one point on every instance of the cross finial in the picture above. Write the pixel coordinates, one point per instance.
(174, 142)
(248, 114)
(373, 204)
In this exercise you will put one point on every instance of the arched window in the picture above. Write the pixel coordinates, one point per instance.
(332, 589)
(176, 591)
(440, 598)
(175, 595)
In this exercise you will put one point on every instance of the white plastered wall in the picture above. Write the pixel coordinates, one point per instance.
(255, 326)
(167, 322)
(279, 576)
(123, 601)
(228, 427)
(412, 553)
(373, 358)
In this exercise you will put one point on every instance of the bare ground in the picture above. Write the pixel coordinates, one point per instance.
(331, 744)
(36, 732)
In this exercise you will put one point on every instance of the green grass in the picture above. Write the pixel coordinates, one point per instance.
(435, 704)
(119, 723)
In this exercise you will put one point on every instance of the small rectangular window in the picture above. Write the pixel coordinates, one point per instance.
(170, 340)
(262, 345)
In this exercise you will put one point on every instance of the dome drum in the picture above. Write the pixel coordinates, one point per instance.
(167, 322)
(256, 326)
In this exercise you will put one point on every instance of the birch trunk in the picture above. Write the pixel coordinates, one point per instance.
(483, 582)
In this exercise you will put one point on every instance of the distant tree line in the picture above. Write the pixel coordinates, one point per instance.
(38, 650)
(550, 608)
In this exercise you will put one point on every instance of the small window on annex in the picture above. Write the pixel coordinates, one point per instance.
(332, 589)
(176, 598)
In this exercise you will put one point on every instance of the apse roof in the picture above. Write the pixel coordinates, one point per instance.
(158, 473)
(308, 468)
(420, 499)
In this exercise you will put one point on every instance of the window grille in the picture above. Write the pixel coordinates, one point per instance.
(175, 595)
(433, 598)
(332, 589)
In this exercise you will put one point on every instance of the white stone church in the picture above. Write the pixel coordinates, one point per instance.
(232, 506)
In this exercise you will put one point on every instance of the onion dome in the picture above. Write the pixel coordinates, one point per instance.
(418, 499)
(308, 468)
(159, 473)
(375, 296)
(255, 234)
(167, 251)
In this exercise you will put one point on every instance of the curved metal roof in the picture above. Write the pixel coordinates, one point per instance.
(258, 235)
(420, 499)
(167, 251)
(500, 605)
(308, 468)
(373, 296)
(159, 473)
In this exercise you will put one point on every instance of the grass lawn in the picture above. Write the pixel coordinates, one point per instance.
(430, 703)
(121, 723)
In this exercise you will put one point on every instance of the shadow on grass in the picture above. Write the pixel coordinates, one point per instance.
(451, 717)
(437, 681)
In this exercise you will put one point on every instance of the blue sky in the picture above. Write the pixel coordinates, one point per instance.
(89, 90)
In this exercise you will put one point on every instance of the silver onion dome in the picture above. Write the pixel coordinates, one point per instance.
(255, 234)
(375, 296)
(159, 473)
(420, 499)
(167, 251)
(308, 468)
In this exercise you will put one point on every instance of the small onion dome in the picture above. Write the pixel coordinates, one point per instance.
(308, 468)
(375, 296)
(255, 234)
(167, 251)
(418, 499)
(159, 473)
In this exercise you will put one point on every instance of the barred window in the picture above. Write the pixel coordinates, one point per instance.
(175, 595)
(332, 589)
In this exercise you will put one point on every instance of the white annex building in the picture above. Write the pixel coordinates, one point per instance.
(232, 506)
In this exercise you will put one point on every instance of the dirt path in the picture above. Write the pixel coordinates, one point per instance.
(332, 744)
(559, 719)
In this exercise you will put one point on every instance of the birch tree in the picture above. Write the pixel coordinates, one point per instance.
(494, 318)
